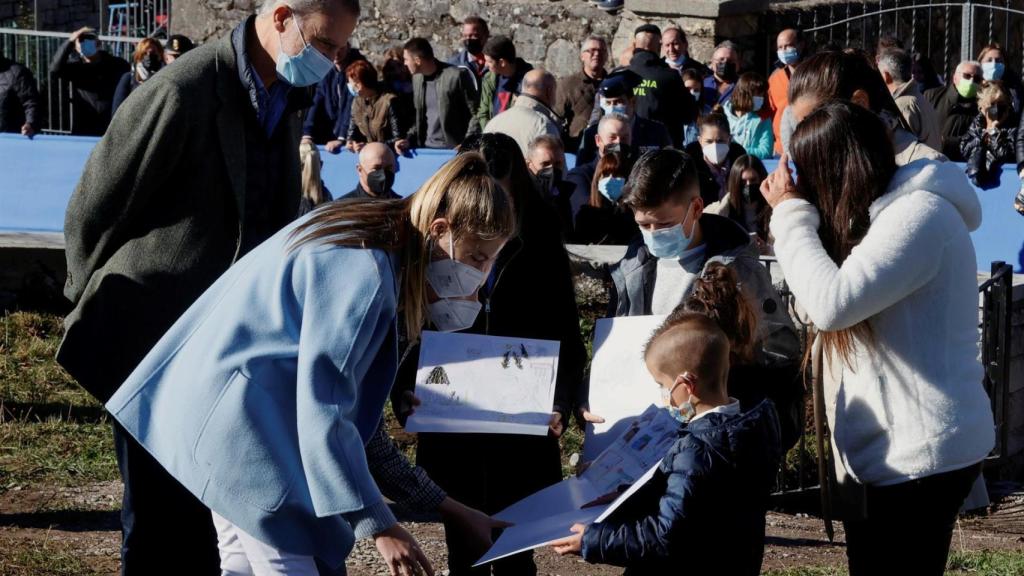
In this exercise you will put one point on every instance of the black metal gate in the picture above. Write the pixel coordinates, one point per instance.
(946, 32)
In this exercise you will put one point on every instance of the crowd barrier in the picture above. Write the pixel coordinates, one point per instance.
(39, 175)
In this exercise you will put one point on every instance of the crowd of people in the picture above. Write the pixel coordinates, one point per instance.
(246, 327)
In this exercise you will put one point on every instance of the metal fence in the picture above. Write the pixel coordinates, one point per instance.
(996, 332)
(946, 32)
(36, 50)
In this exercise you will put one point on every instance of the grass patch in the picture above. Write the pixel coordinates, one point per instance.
(42, 561)
(808, 571)
(55, 453)
(986, 563)
(973, 563)
(29, 375)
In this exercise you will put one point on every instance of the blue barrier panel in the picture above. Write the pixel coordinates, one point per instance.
(37, 177)
(339, 170)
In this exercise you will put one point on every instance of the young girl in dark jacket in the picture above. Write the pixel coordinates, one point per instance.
(603, 219)
(705, 507)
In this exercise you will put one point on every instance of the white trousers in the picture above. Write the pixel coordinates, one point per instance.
(243, 555)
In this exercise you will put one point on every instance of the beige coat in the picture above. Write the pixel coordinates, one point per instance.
(919, 113)
(526, 119)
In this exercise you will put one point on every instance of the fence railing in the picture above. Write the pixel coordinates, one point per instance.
(946, 32)
(996, 339)
(36, 51)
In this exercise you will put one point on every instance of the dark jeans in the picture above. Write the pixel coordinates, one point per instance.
(165, 529)
(906, 528)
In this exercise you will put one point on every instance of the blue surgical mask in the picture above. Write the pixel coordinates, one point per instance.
(610, 109)
(678, 62)
(992, 70)
(758, 103)
(306, 68)
(792, 170)
(668, 243)
(789, 56)
(87, 48)
(684, 413)
(351, 89)
(611, 187)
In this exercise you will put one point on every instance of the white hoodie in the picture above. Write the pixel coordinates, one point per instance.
(912, 405)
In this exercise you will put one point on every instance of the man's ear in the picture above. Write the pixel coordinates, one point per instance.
(280, 17)
(860, 98)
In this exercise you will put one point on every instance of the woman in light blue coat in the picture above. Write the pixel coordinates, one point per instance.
(746, 125)
(261, 396)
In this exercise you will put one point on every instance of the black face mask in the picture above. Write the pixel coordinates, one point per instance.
(152, 63)
(750, 191)
(547, 178)
(380, 182)
(473, 45)
(726, 70)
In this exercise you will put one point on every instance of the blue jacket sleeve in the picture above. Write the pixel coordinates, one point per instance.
(345, 319)
(763, 145)
(315, 113)
(626, 542)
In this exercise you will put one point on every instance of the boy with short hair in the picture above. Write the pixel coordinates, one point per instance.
(704, 510)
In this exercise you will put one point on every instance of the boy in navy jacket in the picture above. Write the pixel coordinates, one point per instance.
(705, 507)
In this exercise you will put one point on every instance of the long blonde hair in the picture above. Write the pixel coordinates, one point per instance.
(462, 191)
(312, 186)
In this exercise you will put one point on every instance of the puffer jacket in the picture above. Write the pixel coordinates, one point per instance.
(705, 507)
(19, 100)
(986, 155)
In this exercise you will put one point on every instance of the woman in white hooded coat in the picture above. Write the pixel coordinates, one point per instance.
(881, 260)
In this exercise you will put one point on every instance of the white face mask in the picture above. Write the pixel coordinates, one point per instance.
(716, 152)
(452, 279)
(453, 315)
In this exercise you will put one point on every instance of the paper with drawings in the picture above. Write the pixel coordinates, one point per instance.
(476, 383)
(629, 462)
(620, 385)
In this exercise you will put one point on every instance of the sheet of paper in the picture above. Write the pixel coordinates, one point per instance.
(626, 465)
(620, 385)
(642, 444)
(530, 535)
(625, 495)
(568, 495)
(476, 383)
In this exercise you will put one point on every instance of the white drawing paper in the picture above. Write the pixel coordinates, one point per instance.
(620, 385)
(476, 383)
(625, 465)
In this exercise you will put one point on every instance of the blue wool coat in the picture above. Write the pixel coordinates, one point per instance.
(259, 399)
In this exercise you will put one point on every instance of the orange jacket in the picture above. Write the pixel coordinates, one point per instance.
(778, 99)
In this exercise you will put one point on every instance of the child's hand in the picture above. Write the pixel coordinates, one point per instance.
(570, 544)
(555, 425)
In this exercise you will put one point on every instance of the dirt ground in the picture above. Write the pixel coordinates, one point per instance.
(75, 531)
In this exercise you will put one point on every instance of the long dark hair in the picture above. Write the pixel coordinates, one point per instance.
(615, 164)
(734, 187)
(844, 160)
(461, 191)
(837, 75)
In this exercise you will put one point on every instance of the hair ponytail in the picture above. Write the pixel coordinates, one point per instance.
(717, 294)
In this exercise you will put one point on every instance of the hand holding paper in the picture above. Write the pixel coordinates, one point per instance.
(571, 544)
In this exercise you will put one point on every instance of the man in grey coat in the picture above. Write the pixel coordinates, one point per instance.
(197, 170)
(444, 96)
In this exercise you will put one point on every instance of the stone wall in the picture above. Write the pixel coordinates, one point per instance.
(546, 32)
